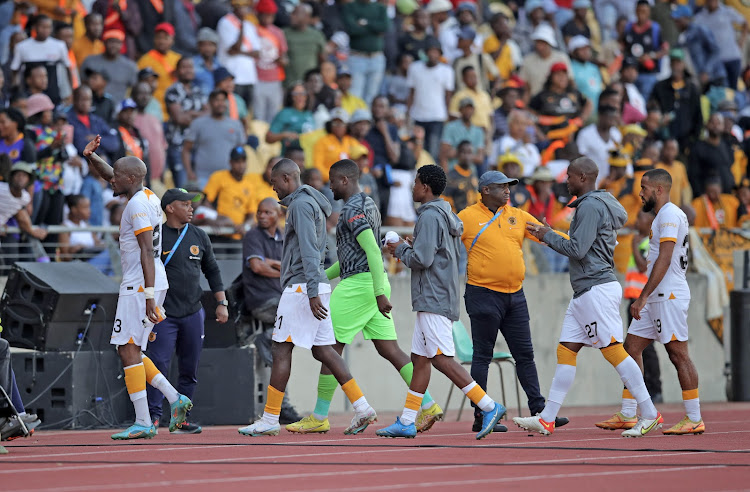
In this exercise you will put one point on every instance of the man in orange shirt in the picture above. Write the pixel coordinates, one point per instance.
(493, 235)
(715, 209)
(162, 60)
(89, 44)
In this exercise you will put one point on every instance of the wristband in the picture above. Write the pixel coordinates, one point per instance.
(149, 292)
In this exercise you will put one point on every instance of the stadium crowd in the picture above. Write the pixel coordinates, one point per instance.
(209, 94)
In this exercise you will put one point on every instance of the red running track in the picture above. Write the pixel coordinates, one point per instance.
(576, 457)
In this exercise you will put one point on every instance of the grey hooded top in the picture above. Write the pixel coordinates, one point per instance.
(593, 236)
(433, 259)
(305, 239)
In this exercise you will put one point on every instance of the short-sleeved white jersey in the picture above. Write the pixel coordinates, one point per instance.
(670, 224)
(142, 213)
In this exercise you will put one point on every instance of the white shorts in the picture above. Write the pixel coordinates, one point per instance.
(131, 321)
(664, 321)
(400, 201)
(433, 335)
(295, 321)
(594, 319)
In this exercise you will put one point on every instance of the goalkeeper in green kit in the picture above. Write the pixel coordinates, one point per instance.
(360, 301)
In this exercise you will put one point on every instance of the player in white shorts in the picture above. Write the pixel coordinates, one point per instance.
(302, 318)
(660, 313)
(593, 316)
(142, 291)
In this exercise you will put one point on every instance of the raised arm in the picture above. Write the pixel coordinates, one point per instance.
(104, 169)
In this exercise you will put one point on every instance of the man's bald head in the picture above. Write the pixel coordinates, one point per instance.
(269, 203)
(586, 167)
(131, 166)
(286, 166)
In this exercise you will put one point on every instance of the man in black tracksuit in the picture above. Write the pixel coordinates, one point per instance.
(186, 251)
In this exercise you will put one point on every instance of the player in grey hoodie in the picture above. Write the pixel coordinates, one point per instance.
(433, 259)
(302, 318)
(593, 316)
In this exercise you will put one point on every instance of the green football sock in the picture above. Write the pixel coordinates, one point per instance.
(406, 373)
(327, 385)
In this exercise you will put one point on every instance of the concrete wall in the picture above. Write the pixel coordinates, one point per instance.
(596, 383)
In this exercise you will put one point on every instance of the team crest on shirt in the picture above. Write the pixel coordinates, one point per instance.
(194, 250)
(650, 235)
(152, 336)
(13, 154)
(512, 221)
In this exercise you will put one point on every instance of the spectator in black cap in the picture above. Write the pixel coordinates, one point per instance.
(236, 106)
(206, 61)
(102, 103)
(152, 107)
(121, 72)
(186, 253)
(209, 140)
(230, 191)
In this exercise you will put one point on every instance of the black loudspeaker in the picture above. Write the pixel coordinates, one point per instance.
(69, 390)
(219, 399)
(219, 335)
(44, 306)
(739, 307)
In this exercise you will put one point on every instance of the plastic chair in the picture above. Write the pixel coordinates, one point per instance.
(464, 353)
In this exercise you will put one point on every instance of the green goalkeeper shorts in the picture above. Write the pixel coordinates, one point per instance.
(354, 309)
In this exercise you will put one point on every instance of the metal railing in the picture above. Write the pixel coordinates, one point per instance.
(31, 249)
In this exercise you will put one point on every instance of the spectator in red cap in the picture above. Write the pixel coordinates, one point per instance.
(239, 47)
(559, 101)
(269, 93)
(162, 60)
(121, 15)
(120, 72)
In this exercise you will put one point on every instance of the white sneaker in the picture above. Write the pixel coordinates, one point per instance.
(536, 424)
(361, 421)
(644, 426)
(260, 428)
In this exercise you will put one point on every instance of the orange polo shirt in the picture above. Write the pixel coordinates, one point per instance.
(496, 260)
(329, 150)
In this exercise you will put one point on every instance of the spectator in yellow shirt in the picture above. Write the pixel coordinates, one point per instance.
(231, 192)
(349, 101)
(497, 45)
(90, 43)
(493, 235)
(681, 192)
(483, 107)
(335, 145)
(162, 60)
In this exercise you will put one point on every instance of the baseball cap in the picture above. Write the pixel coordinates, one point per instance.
(360, 115)
(359, 151)
(677, 54)
(127, 104)
(681, 12)
(339, 114)
(467, 5)
(25, 167)
(221, 74)
(558, 67)
(495, 177)
(635, 130)
(266, 7)
(578, 41)
(164, 27)
(344, 71)
(178, 195)
(629, 62)
(582, 4)
(147, 72)
(466, 101)
(208, 34)
(467, 32)
(113, 34)
(238, 153)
